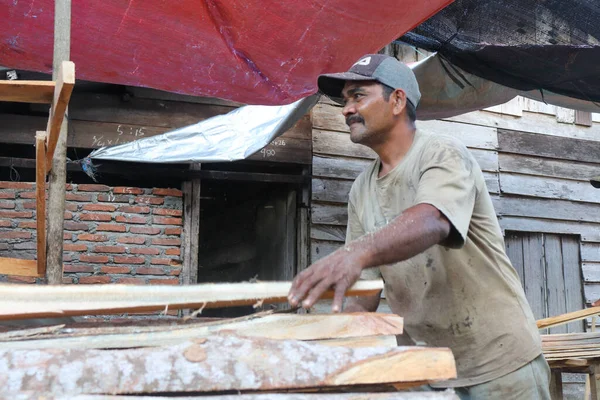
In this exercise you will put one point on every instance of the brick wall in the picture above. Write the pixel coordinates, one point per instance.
(112, 234)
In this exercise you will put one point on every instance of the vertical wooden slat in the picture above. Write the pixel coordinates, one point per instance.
(40, 206)
(289, 266)
(583, 118)
(191, 229)
(514, 250)
(573, 279)
(535, 287)
(556, 302)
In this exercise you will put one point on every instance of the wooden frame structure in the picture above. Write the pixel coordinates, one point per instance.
(57, 93)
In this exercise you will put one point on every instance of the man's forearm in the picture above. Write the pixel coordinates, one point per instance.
(414, 231)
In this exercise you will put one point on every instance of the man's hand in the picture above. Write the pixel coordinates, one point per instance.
(337, 271)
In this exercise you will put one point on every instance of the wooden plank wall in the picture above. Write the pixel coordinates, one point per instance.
(536, 165)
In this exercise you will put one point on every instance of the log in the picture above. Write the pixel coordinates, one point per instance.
(218, 363)
(369, 326)
(25, 301)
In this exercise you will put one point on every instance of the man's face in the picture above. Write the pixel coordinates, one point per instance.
(369, 116)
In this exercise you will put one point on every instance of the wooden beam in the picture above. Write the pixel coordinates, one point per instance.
(445, 395)
(65, 81)
(23, 301)
(217, 364)
(27, 91)
(18, 267)
(568, 317)
(191, 228)
(40, 206)
(350, 330)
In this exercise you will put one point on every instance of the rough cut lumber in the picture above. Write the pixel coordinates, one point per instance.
(27, 91)
(218, 363)
(273, 326)
(568, 317)
(17, 266)
(38, 302)
(356, 342)
(40, 197)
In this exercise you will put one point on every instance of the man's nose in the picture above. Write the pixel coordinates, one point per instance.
(348, 109)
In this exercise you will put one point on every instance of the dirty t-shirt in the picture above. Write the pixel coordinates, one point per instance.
(463, 294)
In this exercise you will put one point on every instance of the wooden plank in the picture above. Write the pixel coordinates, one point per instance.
(191, 230)
(512, 107)
(27, 91)
(65, 81)
(40, 204)
(591, 292)
(567, 317)
(366, 341)
(491, 182)
(273, 326)
(555, 282)
(535, 280)
(591, 272)
(220, 363)
(328, 232)
(445, 395)
(18, 267)
(324, 307)
(339, 143)
(583, 118)
(588, 231)
(331, 190)
(487, 159)
(514, 251)
(573, 278)
(329, 214)
(147, 93)
(548, 146)
(549, 188)
(335, 167)
(538, 107)
(48, 301)
(560, 210)
(590, 252)
(320, 249)
(547, 167)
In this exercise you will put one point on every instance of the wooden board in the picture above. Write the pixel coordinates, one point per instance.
(445, 395)
(320, 249)
(573, 278)
(328, 232)
(588, 231)
(368, 326)
(590, 252)
(218, 363)
(18, 267)
(551, 209)
(27, 91)
(330, 214)
(555, 282)
(568, 317)
(339, 144)
(47, 301)
(549, 188)
(514, 251)
(539, 166)
(535, 280)
(65, 81)
(40, 203)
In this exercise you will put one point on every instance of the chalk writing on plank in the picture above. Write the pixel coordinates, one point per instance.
(125, 134)
(267, 153)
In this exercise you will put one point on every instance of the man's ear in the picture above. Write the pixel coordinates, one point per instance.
(399, 101)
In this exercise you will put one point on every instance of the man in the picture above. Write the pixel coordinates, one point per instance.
(421, 218)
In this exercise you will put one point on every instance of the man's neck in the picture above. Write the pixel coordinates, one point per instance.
(393, 151)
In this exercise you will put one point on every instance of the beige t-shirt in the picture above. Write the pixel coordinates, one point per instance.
(464, 294)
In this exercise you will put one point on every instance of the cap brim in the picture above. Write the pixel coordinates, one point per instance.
(333, 84)
(595, 182)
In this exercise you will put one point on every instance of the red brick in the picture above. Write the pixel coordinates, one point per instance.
(7, 224)
(132, 240)
(7, 205)
(95, 217)
(168, 211)
(109, 249)
(78, 197)
(28, 195)
(29, 205)
(76, 226)
(161, 261)
(130, 281)
(131, 219)
(135, 209)
(172, 231)
(67, 236)
(144, 230)
(74, 247)
(111, 228)
(15, 235)
(94, 279)
(71, 207)
(167, 192)
(99, 207)
(144, 250)
(167, 221)
(170, 281)
(21, 279)
(115, 270)
(90, 237)
(166, 242)
(174, 272)
(127, 190)
(93, 259)
(92, 188)
(68, 186)
(149, 200)
(150, 271)
(27, 225)
(7, 195)
(68, 215)
(129, 260)
(16, 185)
(111, 198)
(67, 280)
(16, 214)
(173, 252)
(76, 268)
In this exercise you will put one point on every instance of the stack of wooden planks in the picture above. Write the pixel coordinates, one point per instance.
(571, 346)
(264, 356)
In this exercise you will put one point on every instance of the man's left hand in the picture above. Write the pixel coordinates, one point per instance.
(338, 271)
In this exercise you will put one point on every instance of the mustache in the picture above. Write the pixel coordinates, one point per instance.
(354, 118)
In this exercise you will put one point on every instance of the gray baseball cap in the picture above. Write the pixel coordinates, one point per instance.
(373, 67)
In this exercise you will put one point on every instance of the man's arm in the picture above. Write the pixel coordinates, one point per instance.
(412, 232)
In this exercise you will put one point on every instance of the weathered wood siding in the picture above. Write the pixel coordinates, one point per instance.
(536, 162)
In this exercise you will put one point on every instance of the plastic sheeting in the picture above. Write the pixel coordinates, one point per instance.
(249, 51)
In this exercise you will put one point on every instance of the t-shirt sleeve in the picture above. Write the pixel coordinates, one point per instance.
(447, 182)
(353, 232)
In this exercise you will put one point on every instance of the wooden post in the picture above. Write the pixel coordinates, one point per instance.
(40, 206)
(58, 174)
(303, 231)
(191, 228)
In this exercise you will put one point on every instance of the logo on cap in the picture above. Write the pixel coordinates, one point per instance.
(364, 61)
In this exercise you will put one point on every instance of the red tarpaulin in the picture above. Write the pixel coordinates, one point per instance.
(251, 51)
